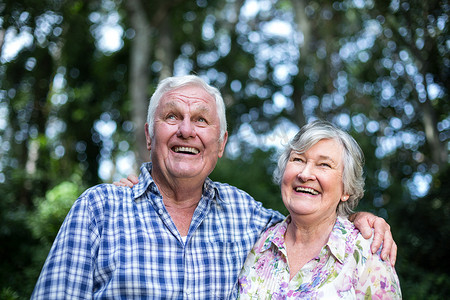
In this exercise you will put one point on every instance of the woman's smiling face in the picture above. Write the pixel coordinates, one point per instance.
(312, 181)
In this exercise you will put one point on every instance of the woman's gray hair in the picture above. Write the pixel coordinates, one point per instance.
(353, 159)
(173, 83)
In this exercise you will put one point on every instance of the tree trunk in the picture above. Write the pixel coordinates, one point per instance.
(140, 52)
(164, 50)
(437, 149)
(2, 39)
(304, 28)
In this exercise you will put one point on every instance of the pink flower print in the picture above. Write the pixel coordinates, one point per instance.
(380, 294)
(346, 286)
(262, 265)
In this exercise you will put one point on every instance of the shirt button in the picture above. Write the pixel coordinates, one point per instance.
(160, 211)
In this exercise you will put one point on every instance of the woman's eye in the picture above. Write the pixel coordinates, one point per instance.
(325, 165)
(297, 159)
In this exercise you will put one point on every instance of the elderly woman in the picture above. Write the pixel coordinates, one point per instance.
(316, 252)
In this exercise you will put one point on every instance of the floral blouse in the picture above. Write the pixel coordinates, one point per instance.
(345, 268)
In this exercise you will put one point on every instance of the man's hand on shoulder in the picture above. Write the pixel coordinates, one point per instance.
(365, 221)
(130, 181)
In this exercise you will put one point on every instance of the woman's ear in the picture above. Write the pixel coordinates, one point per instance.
(345, 198)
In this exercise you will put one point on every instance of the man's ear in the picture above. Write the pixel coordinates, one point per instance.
(147, 138)
(223, 143)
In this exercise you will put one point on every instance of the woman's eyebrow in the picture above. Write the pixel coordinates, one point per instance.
(327, 158)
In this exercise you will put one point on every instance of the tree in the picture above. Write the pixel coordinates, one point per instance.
(73, 110)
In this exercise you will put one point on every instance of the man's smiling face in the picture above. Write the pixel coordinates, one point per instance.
(186, 142)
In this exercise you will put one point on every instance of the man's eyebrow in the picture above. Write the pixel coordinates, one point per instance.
(203, 109)
(170, 104)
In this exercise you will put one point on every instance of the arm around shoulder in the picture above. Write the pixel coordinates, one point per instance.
(365, 222)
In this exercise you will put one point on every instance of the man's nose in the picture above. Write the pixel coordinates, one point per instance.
(307, 172)
(186, 129)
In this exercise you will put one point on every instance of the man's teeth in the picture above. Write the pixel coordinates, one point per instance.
(186, 150)
(306, 190)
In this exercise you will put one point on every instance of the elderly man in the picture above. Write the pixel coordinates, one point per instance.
(174, 235)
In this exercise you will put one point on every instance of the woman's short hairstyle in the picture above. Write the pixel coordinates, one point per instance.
(353, 159)
(173, 83)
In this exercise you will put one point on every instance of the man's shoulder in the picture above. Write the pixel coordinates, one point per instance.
(229, 192)
(104, 192)
(239, 200)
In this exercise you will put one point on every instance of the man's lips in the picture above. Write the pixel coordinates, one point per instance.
(307, 190)
(185, 150)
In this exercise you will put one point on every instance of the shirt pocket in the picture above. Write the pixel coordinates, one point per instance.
(222, 262)
(227, 253)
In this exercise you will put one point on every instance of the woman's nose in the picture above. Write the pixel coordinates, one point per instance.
(307, 173)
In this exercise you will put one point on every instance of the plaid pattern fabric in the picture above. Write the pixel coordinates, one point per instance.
(120, 243)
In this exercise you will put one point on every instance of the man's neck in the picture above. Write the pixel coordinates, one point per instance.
(180, 197)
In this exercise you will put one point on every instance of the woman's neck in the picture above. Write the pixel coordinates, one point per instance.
(304, 241)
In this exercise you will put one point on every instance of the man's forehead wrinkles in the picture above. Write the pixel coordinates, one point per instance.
(193, 108)
(202, 105)
(181, 95)
(175, 96)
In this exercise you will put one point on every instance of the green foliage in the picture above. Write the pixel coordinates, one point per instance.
(253, 174)
(8, 294)
(26, 237)
(17, 251)
(45, 221)
(421, 228)
(368, 66)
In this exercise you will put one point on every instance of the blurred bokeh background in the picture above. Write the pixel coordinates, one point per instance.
(76, 76)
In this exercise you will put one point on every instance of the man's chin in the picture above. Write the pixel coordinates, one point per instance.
(186, 170)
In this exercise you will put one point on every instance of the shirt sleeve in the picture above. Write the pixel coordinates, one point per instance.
(378, 280)
(68, 269)
(264, 218)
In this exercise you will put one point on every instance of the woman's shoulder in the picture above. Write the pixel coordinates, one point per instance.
(353, 238)
(373, 277)
(273, 234)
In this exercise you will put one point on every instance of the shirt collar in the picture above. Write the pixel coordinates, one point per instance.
(145, 181)
(210, 189)
(275, 235)
(336, 242)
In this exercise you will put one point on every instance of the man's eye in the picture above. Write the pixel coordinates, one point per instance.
(171, 117)
(201, 120)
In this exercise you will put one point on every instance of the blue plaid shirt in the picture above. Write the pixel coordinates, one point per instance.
(120, 243)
